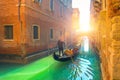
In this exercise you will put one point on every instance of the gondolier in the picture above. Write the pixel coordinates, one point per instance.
(61, 45)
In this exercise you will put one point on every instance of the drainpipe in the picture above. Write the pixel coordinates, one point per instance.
(19, 6)
(21, 30)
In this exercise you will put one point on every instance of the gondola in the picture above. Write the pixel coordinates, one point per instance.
(61, 58)
(64, 57)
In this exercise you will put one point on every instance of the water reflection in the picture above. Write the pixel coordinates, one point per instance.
(86, 44)
(80, 70)
(83, 66)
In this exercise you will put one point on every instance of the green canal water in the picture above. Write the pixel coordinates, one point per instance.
(85, 66)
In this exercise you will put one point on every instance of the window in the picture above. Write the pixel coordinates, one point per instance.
(39, 1)
(35, 32)
(60, 33)
(51, 5)
(51, 33)
(61, 10)
(8, 31)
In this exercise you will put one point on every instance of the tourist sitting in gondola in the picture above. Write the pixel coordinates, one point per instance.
(71, 52)
(68, 54)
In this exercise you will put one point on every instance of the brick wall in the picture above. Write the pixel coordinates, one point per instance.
(9, 16)
(31, 13)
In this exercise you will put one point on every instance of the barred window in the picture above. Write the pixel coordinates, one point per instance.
(8, 31)
(35, 32)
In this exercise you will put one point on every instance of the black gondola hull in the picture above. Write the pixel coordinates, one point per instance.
(62, 59)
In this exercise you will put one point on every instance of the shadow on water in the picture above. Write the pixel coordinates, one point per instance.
(8, 67)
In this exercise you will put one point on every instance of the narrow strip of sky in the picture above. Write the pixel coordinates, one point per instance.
(84, 7)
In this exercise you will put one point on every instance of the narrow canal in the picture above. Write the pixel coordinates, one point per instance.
(85, 66)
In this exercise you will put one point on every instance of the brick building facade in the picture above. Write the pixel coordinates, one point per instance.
(29, 26)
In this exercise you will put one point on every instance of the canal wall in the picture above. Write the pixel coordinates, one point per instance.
(105, 20)
(113, 16)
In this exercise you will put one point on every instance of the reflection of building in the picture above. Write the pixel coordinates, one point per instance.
(29, 26)
(106, 25)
